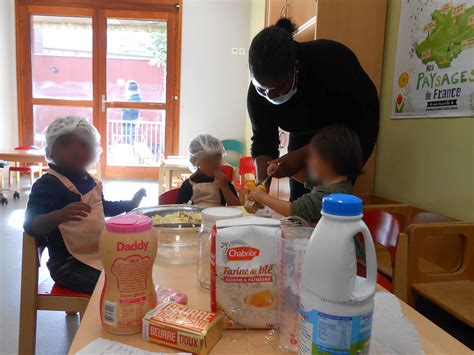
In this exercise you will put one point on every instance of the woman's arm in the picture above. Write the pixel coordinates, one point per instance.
(265, 138)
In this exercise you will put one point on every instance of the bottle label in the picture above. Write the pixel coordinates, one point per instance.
(321, 333)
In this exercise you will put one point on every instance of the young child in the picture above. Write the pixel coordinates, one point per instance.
(66, 209)
(335, 157)
(208, 186)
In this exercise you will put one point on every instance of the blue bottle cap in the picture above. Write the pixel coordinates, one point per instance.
(342, 205)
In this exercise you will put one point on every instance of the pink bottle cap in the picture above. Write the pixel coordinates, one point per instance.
(128, 223)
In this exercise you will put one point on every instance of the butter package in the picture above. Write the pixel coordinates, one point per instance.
(182, 327)
(244, 272)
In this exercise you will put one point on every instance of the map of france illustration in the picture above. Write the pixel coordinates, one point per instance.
(450, 32)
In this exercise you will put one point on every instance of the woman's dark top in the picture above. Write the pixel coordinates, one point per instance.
(186, 190)
(333, 88)
(48, 194)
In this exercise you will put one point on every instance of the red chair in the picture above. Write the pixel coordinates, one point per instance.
(228, 171)
(46, 296)
(385, 231)
(169, 197)
(31, 169)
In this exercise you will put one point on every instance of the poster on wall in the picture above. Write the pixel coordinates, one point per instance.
(434, 73)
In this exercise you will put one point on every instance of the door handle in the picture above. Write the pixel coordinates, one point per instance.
(103, 103)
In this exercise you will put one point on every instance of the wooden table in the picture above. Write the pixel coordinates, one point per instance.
(23, 156)
(18, 157)
(183, 278)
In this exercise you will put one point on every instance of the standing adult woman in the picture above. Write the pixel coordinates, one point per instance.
(300, 88)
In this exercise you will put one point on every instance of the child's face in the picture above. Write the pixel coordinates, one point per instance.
(210, 164)
(72, 153)
(320, 169)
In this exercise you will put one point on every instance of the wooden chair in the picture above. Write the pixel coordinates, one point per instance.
(452, 290)
(46, 296)
(407, 214)
(372, 199)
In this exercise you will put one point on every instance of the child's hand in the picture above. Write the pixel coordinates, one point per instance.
(220, 180)
(257, 195)
(137, 198)
(73, 212)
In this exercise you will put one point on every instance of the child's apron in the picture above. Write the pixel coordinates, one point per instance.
(82, 237)
(205, 194)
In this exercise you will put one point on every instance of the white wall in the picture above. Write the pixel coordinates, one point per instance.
(8, 96)
(257, 23)
(213, 81)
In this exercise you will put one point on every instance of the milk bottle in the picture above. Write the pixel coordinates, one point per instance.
(127, 248)
(336, 304)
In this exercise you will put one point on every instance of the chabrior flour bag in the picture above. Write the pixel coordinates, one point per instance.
(244, 270)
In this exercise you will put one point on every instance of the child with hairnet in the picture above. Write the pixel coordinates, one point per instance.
(66, 210)
(208, 186)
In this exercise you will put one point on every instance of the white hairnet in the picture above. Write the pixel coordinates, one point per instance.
(80, 126)
(204, 145)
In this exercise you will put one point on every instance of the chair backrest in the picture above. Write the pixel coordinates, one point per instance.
(169, 197)
(233, 145)
(247, 166)
(419, 236)
(440, 248)
(228, 172)
(384, 229)
(27, 147)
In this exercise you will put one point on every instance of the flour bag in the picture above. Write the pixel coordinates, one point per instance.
(244, 272)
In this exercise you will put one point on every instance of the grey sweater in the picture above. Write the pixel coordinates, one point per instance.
(309, 205)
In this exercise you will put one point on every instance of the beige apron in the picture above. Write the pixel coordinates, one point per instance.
(82, 237)
(206, 194)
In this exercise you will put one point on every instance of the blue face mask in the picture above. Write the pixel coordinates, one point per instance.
(282, 98)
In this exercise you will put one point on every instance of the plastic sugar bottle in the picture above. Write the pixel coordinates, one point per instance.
(336, 304)
(127, 247)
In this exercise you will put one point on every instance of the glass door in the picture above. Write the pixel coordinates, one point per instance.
(137, 101)
(111, 63)
(61, 69)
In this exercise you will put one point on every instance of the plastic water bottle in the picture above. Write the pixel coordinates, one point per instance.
(336, 304)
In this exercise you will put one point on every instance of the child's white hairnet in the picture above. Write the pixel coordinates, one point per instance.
(204, 145)
(80, 126)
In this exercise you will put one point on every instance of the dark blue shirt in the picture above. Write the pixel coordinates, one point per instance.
(131, 114)
(48, 194)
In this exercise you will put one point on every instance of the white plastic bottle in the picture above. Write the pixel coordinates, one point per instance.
(336, 304)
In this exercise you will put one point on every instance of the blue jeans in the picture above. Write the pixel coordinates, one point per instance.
(73, 274)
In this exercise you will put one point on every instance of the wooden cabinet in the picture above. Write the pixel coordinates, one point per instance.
(359, 24)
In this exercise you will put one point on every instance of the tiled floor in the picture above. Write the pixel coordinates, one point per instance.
(55, 330)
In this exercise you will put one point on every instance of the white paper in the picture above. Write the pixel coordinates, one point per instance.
(102, 346)
(392, 332)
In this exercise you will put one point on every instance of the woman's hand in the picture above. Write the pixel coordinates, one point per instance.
(273, 166)
(289, 164)
(137, 198)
